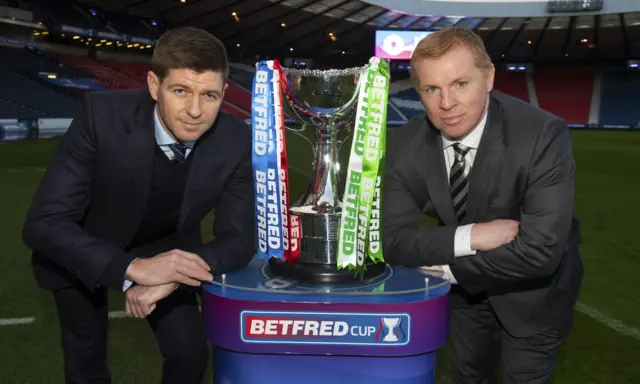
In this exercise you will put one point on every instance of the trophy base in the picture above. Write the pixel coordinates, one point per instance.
(322, 273)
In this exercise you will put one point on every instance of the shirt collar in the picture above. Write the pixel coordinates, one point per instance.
(162, 136)
(472, 140)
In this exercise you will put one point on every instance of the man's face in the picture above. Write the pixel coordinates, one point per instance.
(454, 91)
(188, 102)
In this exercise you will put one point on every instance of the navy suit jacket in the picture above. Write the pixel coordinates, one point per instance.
(90, 202)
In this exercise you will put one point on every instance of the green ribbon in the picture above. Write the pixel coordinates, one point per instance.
(360, 225)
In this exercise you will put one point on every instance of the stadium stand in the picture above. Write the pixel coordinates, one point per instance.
(569, 94)
(30, 94)
(62, 12)
(513, 84)
(242, 75)
(13, 110)
(108, 76)
(136, 71)
(238, 96)
(620, 98)
(32, 61)
(566, 94)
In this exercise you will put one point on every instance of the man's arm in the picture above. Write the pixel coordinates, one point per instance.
(545, 220)
(234, 222)
(404, 242)
(63, 195)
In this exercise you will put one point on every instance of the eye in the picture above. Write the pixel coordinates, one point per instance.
(179, 91)
(430, 90)
(211, 96)
(462, 84)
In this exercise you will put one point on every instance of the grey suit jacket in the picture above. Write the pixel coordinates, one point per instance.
(523, 170)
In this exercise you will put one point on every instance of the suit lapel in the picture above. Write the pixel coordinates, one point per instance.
(436, 176)
(139, 151)
(202, 174)
(488, 157)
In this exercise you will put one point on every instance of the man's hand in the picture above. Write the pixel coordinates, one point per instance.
(491, 235)
(433, 268)
(141, 300)
(170, 267)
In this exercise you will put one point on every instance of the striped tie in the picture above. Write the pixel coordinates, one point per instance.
(179, 152)
(458, 183)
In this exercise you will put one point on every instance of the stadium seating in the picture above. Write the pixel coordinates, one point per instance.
(408, 102)
(109, 77)
(62, 12)
(33, 62)
(135, 70)
(620, 98)
(566, 94)
(13, 110)
(513, 84)
(241, 76)
(30, 94)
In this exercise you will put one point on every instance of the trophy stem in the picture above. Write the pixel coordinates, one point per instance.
(324, 194)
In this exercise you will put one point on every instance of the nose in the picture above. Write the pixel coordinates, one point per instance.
(194, 108)
(447, 99)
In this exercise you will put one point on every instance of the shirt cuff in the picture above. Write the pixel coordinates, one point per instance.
(447, 274)
(462, 241)
(113, 276)
(126, 285)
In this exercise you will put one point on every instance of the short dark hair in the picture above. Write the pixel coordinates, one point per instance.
(189, 48)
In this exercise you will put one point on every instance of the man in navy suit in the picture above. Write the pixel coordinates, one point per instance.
(121, 204)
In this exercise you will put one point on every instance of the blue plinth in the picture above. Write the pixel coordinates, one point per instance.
(268, 329)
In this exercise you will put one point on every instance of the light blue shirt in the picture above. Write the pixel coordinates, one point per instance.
(163, 139)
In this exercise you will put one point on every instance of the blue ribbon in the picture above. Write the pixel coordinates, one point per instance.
(265, 164)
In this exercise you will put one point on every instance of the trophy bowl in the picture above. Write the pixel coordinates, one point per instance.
(324, 104)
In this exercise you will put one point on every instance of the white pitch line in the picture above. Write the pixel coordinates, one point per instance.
(17, 321)
(610, 322)
(118, 315)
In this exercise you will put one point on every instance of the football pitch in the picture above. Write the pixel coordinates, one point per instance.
(603, 348)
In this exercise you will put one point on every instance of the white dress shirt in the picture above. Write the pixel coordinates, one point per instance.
(462, 239)
(163, 139)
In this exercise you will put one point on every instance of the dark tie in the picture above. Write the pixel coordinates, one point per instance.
(458, 183)
(179, 152)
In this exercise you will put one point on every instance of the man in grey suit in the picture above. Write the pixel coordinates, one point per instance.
(498, 175)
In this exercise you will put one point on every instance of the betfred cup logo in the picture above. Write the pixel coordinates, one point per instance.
(390, 323)
(335, 328)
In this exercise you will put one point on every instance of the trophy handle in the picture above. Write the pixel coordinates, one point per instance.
(298, 132)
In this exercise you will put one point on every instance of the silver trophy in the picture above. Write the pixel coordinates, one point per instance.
(323, 102)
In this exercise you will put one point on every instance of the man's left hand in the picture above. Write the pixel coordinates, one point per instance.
(141, 300)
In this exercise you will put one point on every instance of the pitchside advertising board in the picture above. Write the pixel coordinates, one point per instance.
(327, 328)
(397, 45)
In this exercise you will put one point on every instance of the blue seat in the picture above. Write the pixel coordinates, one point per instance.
(620, 98)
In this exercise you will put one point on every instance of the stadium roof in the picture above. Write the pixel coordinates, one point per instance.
(316, 28)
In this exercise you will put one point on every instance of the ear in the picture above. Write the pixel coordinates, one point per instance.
(224, 88)
(154, 85)
(490, 77)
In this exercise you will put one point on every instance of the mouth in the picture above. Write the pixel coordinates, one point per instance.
(191, 124)
(452, 120)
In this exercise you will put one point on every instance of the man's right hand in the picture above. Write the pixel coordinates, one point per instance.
(491, 235)
(170, 267)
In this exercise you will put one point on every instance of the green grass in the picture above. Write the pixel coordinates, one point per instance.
(607, 205)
